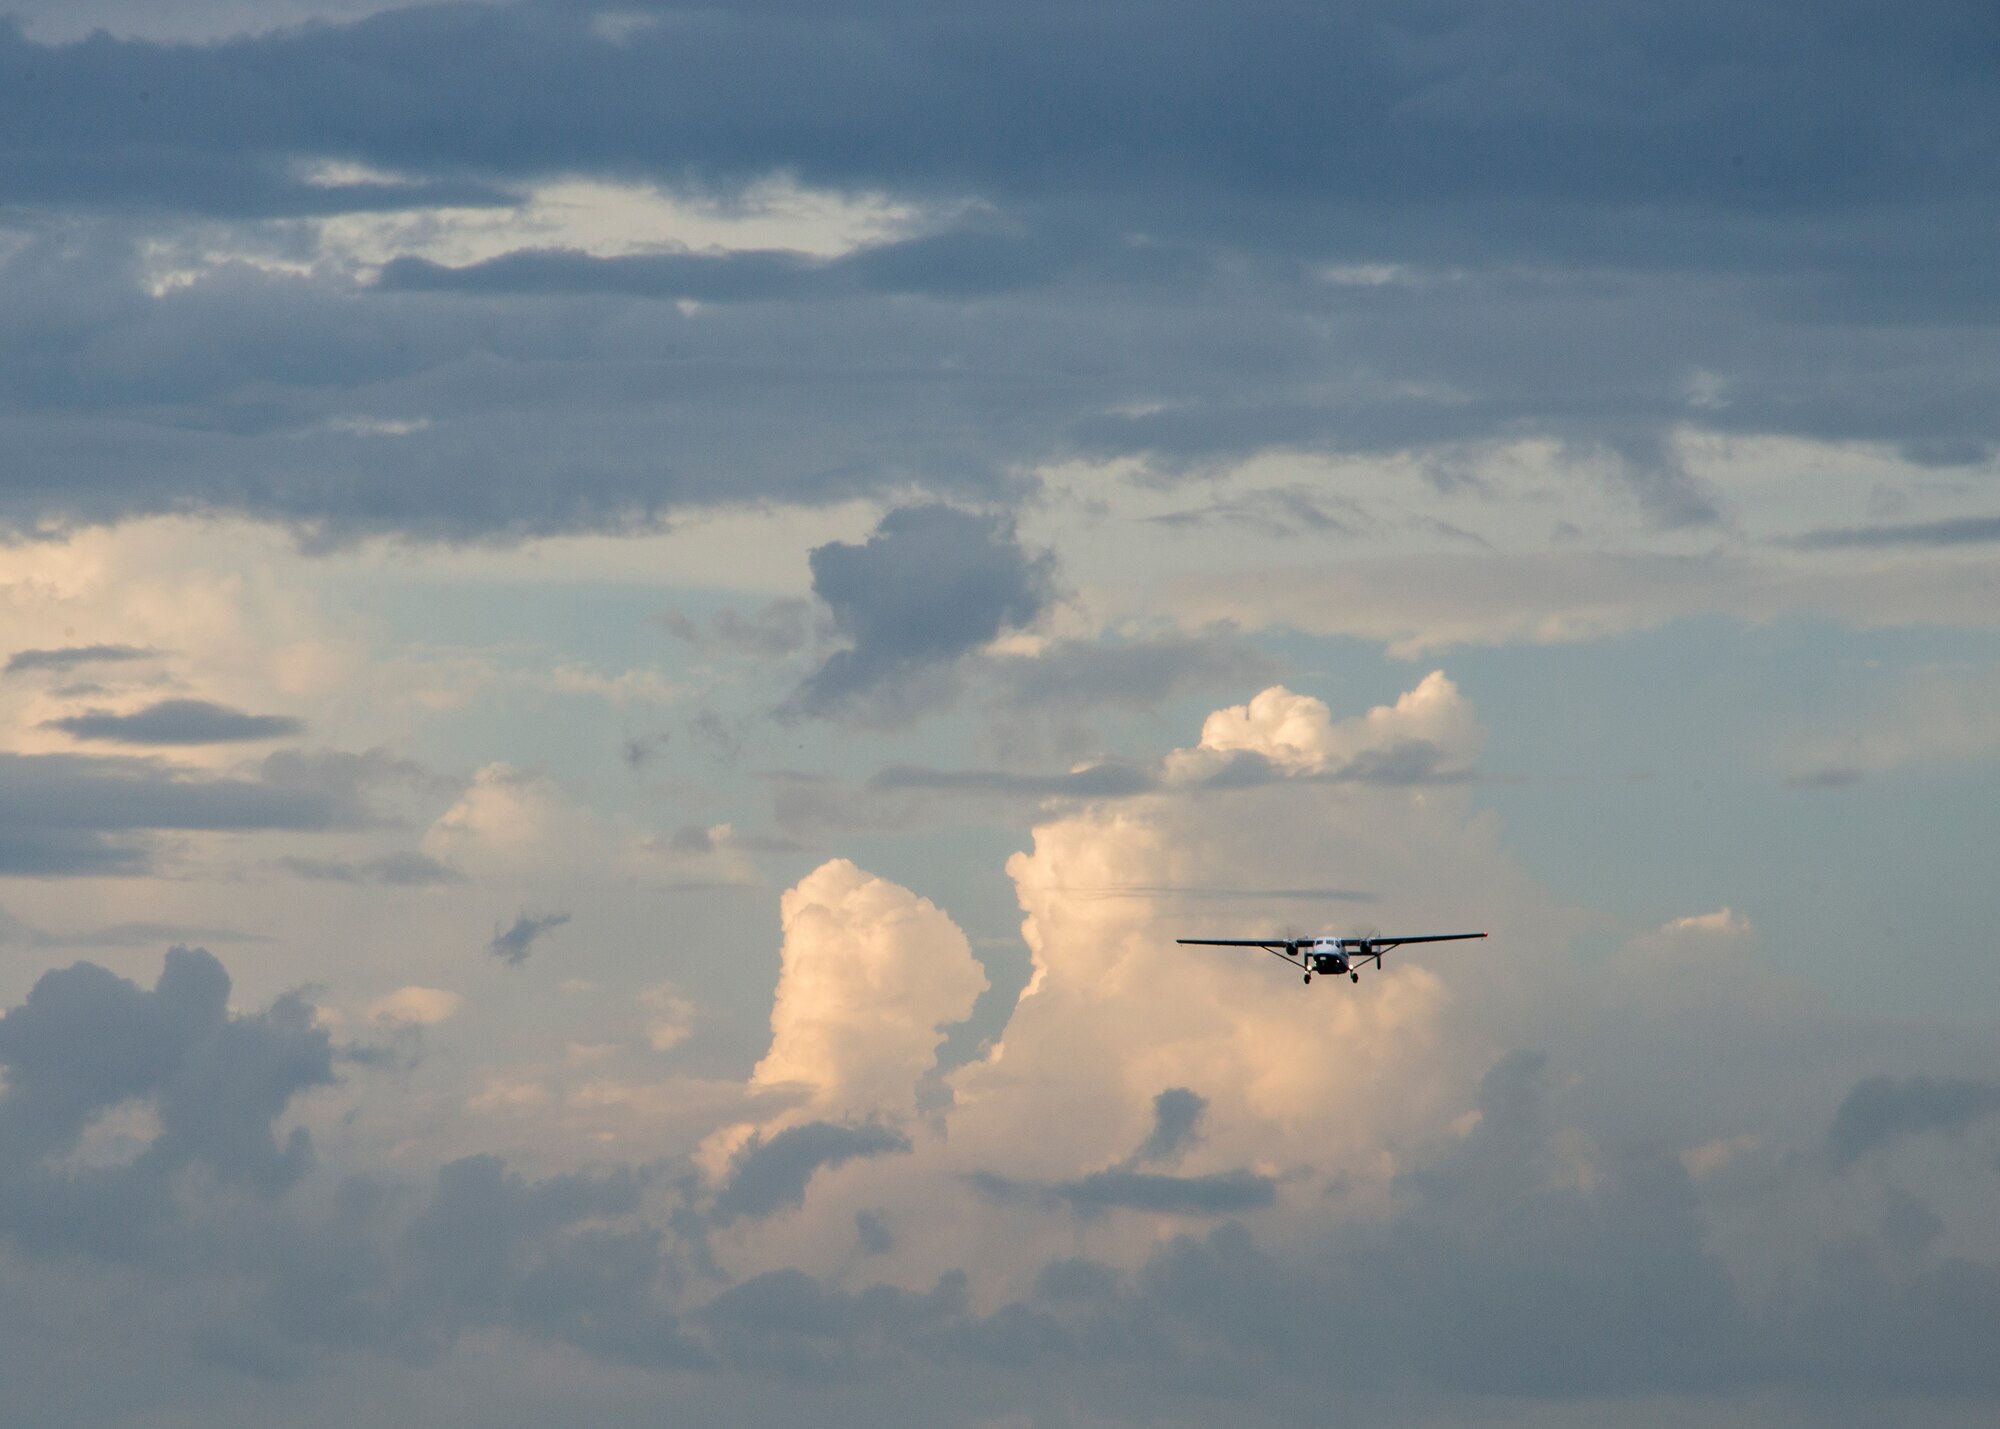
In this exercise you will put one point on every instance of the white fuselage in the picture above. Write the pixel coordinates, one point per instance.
(1323, 955)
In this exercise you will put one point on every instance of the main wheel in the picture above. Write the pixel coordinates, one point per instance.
(1355, 976)
(1309, 979)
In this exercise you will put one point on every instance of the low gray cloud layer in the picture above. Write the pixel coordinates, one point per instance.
(1494, 1269)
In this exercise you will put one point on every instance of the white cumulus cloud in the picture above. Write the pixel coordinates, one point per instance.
(871, 975)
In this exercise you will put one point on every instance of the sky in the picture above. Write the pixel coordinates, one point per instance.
(628, 633)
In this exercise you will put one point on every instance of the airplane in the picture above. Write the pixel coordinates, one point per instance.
(1327, 956)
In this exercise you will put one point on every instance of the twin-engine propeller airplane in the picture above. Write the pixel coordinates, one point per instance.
(1329, 956)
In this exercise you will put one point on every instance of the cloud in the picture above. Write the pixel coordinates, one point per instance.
(1162, 1175)
(1282, 512)
(1126, 674)
(514, 823)
(956, 263)
(1932, 718)
(670, 1017)
(404, 868)
(512, 945)
(1096, 781)
(770, 1175)
(1187, 283)
(1428, 739)
(68, 657)
(1039, 698)
(787, 1324)
(177, 722)
(86, 1041)
(931, 584)
(1425, 602)
(915, 112)
(705, 277)
(415, 1006)
(90, 814)
(1884, 1110)
(1227, 1193)
(869, 976)
(873, 1234)
(121, 935)
(1429, 729)
(1177, 1116)
(557, 1260)
(1957, 531)
(779, 628)
(1909, 1227)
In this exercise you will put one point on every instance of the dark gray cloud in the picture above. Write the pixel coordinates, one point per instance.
(512, 944)
(926, 98)
(177, 722)
(1215, 230)
(959, 264)
(722, 277)
(1177, 1117)
(786, 1323)
(1958, 531)
(1884, 1110)
(68, 657)
(771, 1175)
(872, 1233)
(1223, 1194)
(92, 814)
(1909, 1227)
(558, 1260)
(405, 868)
(931, 584)
(1493, 1276)
(86, 1040)
(1282, 512)
(345, 776)
(1226, 1193)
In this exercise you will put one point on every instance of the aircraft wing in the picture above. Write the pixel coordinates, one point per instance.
(1423, 938)
(1286, 948)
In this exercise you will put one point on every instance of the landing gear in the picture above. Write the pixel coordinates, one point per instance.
(1309, 979)
(1355, 976)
